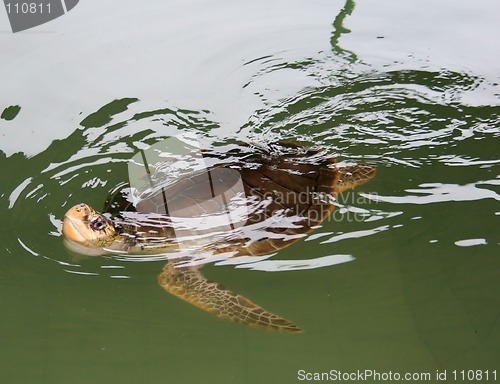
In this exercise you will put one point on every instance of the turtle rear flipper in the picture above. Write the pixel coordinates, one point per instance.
(190, 285)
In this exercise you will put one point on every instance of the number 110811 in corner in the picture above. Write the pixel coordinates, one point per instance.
(463, 375)
(22, 7)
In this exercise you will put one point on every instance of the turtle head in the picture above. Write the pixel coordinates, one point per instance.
(87, 231)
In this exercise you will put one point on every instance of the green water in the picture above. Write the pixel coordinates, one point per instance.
(411, 91)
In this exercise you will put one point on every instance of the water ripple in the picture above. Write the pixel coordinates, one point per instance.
(408, 122)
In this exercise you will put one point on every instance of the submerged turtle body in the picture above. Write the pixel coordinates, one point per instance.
(284, 195)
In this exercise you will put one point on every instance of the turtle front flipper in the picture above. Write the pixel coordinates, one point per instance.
(189, 285)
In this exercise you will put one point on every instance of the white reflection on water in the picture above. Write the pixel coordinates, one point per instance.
(470, 242)
(439, 192)
(458, 160)
(57, 223)
(286, 265)
(356, 234)
(27, 248)
(17, 191)
(81, 273)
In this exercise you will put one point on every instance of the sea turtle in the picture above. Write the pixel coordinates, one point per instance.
(288, 191)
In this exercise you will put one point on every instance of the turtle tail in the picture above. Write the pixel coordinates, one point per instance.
(189, 285)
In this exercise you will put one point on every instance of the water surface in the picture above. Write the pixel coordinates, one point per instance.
(404, 277)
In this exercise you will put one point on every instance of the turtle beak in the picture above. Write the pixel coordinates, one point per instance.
(74, 223)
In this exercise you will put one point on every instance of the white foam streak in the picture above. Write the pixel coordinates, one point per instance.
(356, 234)
(295, 265)
(429, 193)
(470, 242)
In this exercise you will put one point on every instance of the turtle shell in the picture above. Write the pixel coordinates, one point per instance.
(251, 207)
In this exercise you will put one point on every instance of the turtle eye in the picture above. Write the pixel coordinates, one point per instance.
(97, 223)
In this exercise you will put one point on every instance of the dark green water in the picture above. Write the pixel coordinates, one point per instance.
(423, 291)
